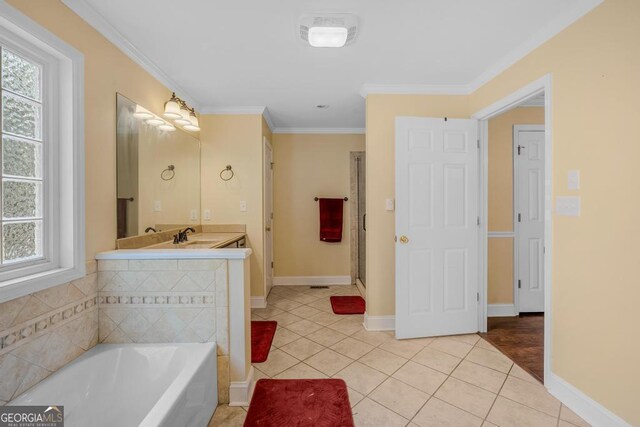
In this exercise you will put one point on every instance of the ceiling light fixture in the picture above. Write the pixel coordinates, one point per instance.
(328, 29)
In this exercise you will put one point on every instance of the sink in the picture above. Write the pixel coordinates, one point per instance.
(193, 244)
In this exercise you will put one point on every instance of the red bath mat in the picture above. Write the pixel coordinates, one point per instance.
(347, 304)
(301, 403)
(262, 333)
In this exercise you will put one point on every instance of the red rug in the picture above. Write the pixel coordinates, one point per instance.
(300, 403)
(262, 334)
(347, 304)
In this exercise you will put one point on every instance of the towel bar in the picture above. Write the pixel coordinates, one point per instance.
(346, 199)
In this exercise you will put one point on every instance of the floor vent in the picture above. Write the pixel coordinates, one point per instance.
(319, 287)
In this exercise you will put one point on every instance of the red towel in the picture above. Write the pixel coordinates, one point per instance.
(331, 220)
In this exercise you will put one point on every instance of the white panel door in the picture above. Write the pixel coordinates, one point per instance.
(268, 216)
(436, 226)
(529, 153)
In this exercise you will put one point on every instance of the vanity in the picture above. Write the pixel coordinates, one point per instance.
(152, 290)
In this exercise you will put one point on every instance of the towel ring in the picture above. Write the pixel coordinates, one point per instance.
(168, 173)
(229, 175)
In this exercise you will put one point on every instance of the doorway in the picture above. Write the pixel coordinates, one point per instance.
(516, 244)
(358, 220)
(268, 215)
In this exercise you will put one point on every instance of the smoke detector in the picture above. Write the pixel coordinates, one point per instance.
(328, 29)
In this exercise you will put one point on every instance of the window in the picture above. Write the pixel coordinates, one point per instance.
(22, 221)
(41, 158)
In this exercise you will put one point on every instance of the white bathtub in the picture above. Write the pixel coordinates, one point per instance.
(134, 384)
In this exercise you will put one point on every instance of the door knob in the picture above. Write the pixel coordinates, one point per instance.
(404, 240)
(267, 229)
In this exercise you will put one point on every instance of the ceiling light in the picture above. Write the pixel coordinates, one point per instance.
(328, 29)
(142, 113)
(167, 127)
(172, 108)
(154, 121)
(327, 36)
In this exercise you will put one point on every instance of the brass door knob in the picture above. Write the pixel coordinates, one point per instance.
(268, 229)
(404, 240)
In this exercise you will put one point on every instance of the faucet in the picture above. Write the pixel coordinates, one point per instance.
(148, 229)
(182, 235)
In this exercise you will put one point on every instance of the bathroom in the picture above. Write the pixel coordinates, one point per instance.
(216, 210)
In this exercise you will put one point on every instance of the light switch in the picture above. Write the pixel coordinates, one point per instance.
(568, 206)
(207, 214)
(574, 180)
(390, 205)
(157, 206)
(243, 206)
(194, 214)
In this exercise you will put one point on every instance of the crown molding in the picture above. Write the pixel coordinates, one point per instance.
(320, 131)
(100, 24)
(539, 38)
(417, 89)
(552, 29)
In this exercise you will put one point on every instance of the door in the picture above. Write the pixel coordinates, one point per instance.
(437, 226)
(362, 218)
(268, 216)
(529, 208)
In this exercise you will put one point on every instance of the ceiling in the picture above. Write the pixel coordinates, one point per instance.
(239, 56)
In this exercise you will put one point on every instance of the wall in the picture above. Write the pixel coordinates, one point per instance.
(500, 151)
(235, 140)
(595, 66)
(307, 166)
(41, 332)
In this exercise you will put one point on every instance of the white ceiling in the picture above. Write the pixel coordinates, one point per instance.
(238, 55)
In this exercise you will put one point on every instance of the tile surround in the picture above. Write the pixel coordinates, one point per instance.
(453, 381)
(166, 301)
(43, 331)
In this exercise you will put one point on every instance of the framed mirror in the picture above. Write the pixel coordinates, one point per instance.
(158, 173)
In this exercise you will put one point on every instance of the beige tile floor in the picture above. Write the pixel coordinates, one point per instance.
(449, 381)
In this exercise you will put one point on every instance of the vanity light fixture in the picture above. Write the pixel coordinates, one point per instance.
(154, 121)
(167, 127)
(142, 113)
(181, 114)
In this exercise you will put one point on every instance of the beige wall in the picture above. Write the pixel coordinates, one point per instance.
(235, 140)
(595, 66)
(107, 71)
(500, 151)
(307, 166)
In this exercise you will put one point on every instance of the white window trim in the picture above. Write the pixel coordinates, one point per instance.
(67, 216)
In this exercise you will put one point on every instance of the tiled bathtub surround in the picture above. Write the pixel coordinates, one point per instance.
(43, 331)
(166, 301)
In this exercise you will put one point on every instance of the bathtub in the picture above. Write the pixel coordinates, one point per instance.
(134, 384)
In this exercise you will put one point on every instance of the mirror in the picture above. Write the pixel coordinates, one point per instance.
(158, 174)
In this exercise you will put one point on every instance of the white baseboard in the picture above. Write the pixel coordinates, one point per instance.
(379, 323)
(587, 408)
(258, 302)
(501, 310)
(240, 391)
(311, 280)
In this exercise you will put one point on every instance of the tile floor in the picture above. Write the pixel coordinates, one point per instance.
(449, 381)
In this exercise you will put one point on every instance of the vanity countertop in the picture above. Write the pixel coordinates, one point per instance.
(201, 241)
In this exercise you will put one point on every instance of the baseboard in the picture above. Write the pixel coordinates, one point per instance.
(379, 323)
(501, 310)
(311, 280)
(361, 287)
(240, 391)
(587, 408)
(258, 302)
